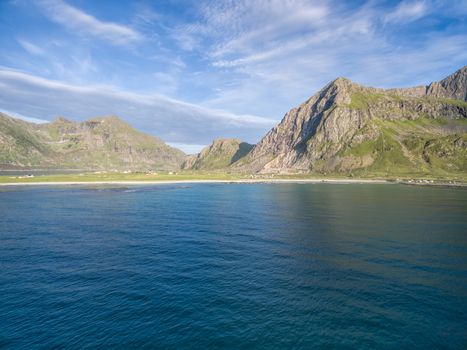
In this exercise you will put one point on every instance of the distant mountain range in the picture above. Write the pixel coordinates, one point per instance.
(96, 144)
(345, 128)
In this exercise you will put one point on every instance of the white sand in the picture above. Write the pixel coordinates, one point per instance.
(243, 181)
(164, 182)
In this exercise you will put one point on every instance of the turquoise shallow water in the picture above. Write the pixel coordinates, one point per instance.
(253, 266)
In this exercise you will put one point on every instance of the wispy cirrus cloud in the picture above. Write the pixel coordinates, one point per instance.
(280, 52)
(83, 23)
(235, 26)
(407, 11)
(30, 47)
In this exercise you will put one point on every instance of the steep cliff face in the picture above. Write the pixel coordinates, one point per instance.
(100, 143)
(453, 86)
(347, 127)
(219, 155)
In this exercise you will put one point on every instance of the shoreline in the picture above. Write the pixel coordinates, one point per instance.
(243, 181)
(171, 182)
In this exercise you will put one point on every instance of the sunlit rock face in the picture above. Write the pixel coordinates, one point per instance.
(346, 126)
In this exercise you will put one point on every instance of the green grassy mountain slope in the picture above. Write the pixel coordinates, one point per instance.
(97, 144)
(347, 128)
(21, 144)
(219, 155)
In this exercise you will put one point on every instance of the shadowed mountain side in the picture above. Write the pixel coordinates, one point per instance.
(349, 128)
(100, 143)
(219, 155)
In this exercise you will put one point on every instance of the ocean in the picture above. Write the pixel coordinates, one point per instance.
(233, 266)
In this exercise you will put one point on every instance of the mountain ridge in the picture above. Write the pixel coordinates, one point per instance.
(95, 144)
(222, 153)
(345, 128)
(314, 136)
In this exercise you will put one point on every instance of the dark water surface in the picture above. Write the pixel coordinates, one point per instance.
(233, 266)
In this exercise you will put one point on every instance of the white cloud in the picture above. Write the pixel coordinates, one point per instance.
(281, 52)
(407, 12)
(30, 47)
(236, 26)
(81, 22)
(172, 120)
(284, 26)
(22, 117)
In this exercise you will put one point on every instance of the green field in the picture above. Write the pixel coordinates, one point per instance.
(188, 176)
(115, 176)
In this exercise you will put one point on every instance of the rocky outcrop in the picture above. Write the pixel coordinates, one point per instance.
(346, 126)
(452, 87)
(219, 155)
(100, 143)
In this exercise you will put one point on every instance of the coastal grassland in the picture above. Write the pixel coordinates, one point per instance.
(115, 176)
(408, 175)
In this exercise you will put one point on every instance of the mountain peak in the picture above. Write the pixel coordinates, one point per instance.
(61, 120)
(341, 83)
(110, 122)
(222, 153)
(100, 143)
(342, 127)
(462, 70)
(220, 142)
(109, 119)
(453, 86)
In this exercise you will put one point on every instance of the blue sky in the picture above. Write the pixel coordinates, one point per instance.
(192, 71)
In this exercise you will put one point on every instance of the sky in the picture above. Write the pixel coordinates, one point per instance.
(192, 71)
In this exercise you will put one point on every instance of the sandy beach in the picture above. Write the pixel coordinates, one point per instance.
(169, 182)
(246, 181)
(242, 181)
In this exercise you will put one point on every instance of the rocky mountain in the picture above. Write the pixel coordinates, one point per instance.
(100, 143)
(219, 155)
(345, 128)
(349, 128)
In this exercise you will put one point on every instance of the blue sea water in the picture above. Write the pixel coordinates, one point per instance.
(250, 266)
